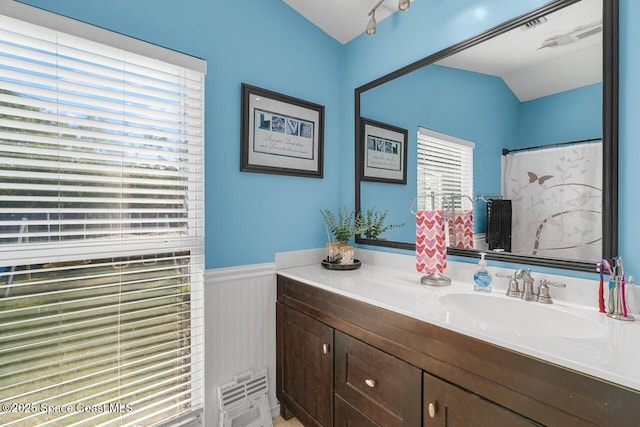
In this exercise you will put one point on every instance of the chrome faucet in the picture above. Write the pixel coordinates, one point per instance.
(527, 292)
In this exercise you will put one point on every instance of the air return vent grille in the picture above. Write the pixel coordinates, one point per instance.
(244, 402)
(534, 23)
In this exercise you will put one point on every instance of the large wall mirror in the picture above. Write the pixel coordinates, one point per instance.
(535, 101)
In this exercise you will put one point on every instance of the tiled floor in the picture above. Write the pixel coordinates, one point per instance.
(280, 422)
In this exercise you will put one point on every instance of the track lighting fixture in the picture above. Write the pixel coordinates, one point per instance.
(371, 25)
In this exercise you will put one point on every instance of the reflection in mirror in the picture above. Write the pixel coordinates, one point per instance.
(530, 100)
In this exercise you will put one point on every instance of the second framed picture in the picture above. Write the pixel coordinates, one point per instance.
(384, 149)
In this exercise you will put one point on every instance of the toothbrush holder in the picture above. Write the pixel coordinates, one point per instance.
(618, 311)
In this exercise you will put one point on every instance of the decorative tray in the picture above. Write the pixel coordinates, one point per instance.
(337, 266)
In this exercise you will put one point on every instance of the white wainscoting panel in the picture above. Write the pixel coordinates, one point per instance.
(240, 329)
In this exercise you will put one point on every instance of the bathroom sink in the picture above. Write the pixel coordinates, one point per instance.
(527, 317)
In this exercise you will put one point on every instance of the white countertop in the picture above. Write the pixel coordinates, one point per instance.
(606, 348)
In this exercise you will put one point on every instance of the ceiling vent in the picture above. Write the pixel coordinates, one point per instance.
(574, 36)
(534, 23)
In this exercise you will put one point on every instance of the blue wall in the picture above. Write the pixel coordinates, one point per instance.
(629, 130)
(249, 216)
(568, 116)
(265, 43)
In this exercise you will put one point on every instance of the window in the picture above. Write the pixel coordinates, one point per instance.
(445, 166)
(101, 226)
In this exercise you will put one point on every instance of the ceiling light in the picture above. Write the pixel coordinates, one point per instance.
(574, 36)
(371, 26)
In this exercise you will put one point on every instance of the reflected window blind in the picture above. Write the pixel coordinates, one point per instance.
(101, 231)
(445, 166)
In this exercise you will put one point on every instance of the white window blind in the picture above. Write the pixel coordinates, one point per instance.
(445, 167)
(101, 231)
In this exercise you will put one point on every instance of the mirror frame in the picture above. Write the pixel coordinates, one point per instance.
(609, 136)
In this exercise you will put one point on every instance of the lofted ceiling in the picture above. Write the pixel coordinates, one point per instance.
(563, 53)
(560, 54)
(343, 20)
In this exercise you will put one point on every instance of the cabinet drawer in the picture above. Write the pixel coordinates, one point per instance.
(382, 387)
(348, 416)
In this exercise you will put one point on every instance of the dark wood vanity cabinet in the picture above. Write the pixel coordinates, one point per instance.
(383, 388)
(344, 362)
(305, 367)
(314, 360)
(348, 416)
(447, 405)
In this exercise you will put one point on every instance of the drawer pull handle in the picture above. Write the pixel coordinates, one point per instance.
(433, 408)
(371, 383)
(325, 348)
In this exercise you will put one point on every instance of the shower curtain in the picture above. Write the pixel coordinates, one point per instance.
(556, 196)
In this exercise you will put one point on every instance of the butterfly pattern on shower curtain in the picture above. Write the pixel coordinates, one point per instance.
(541, 180)
(556, 196)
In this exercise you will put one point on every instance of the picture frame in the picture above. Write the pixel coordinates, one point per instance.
(281, 134)
(384, 152)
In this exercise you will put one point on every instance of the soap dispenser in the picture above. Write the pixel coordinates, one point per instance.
(482, 276)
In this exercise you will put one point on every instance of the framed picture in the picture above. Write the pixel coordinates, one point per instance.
(281, 134)
(384, 149)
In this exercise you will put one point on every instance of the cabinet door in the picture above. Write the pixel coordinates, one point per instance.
(348, 416)
(384, 388)
(447, 405)
(304, 367)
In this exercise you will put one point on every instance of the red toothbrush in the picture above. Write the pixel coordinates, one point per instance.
(600, 268)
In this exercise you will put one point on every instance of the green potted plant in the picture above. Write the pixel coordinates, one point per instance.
(345, 225)
(373, 221)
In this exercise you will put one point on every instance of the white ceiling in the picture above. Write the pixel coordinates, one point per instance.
(529, 70)
(532, 71)
(343, 20)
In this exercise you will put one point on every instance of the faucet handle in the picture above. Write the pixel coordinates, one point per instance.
(543, 290)
(545, 282)
(512, 290)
